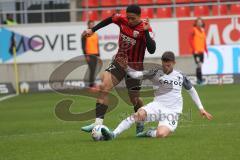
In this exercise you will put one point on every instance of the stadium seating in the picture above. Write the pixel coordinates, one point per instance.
(163, 1)
(183, 1)
(222, 8)
(125, 2)
(196, 1)
(164, 13)
(107, 3)
(144, 2)
(147, 12)
(89, 3)
(107, 13)
(235, 9)
(201, 11)
(92, 15)
(167, 12)
(183, 12)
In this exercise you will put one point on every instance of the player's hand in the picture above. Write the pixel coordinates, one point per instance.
(87, 33)
(204, 114)
(146, 25)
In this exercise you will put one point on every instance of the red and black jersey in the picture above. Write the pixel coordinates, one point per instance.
(132, 41)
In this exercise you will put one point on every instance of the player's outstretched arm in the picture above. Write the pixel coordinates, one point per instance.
(145, 74)
(100, 25)
(194, 95)
(134, 74)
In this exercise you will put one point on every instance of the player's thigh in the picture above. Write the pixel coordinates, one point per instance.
(116, 71)
(152, 111)
(168, 120)
(108, 81)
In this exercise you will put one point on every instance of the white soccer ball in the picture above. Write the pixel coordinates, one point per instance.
(97, 134)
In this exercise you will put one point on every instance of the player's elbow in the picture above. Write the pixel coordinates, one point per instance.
(152, 47)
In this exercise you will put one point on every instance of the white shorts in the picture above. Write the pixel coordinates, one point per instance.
(157, 112)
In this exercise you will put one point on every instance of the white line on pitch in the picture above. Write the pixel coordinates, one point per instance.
(7, 97)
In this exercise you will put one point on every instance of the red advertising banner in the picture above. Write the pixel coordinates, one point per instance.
(219, 31)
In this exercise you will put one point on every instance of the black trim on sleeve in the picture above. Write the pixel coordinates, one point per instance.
(187, 83)
(102, 24)
(151, 44)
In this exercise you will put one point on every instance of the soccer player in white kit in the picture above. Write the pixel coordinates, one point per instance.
(167, 104)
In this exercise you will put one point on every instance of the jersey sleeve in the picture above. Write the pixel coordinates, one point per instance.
(117, 18)
(150, 30)
(187, 83)
(152, 35)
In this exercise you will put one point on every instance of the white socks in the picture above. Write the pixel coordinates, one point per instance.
(98, 121)
(124, 125)
(152, 133)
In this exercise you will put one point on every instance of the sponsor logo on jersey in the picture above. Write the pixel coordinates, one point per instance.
(135, 34)
(170, 82)
(127, 39)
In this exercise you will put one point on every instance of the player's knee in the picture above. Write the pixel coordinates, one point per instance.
(104, 87)
(162, 134)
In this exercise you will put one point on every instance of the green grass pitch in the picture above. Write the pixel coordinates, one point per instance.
(29, 130)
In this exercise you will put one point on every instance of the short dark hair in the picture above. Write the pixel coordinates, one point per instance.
(133, 8)
(168, 56)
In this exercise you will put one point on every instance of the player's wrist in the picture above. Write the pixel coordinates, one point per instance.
(93, 30)
(201, 109)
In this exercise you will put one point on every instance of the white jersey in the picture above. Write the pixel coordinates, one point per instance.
(168, 89)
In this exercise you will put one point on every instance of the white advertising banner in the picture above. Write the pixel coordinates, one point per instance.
(223, 59)
(60, 43)
(41, 44)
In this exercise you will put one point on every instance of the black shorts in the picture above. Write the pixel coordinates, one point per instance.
(132, 84)
(198, 58)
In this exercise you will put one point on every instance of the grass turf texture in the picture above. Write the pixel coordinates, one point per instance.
(29, 130)
(3, 95)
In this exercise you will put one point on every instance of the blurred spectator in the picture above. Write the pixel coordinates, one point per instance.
(197, 40)
(10, 21)
(90, 47)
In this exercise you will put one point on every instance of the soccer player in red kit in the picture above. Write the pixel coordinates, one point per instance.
(135, 36)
